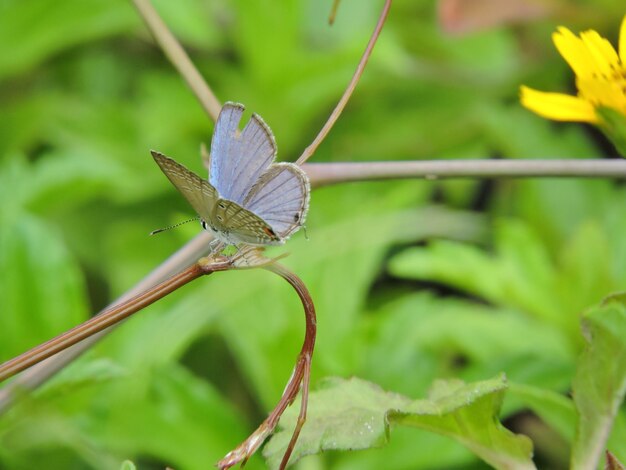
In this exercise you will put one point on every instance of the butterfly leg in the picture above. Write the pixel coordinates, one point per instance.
(216, 246)
(241, 253)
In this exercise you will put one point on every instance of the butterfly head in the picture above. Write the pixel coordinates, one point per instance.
(205, 226)
(211, 228)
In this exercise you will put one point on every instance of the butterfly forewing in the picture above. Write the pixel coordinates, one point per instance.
(281, 198)
(200, 194)
(239, 158)
(231, 222)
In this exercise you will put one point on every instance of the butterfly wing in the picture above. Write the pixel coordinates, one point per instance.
(239, 225)
(198, 192)
(239, 158)
(230, 222)
(281, 198)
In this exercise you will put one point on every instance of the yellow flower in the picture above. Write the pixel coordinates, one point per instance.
(600, 78)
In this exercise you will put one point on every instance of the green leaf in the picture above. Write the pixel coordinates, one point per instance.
(600, 381)
(42, 292)
(520, 275)
(54, 26)
(191, 21)
(82, 374)
(69, 179)
(128, 465)
(432, 336)
(342, 415)
(354, 414)
(176, 417)
(614, 126)
(553, 408)
(468, 413)
(585, 276)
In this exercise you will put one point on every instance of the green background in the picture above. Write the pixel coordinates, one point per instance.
(413, 280)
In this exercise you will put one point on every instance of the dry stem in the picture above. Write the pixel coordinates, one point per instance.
(322, 174)
(179, 58)
(109, 317)
(333, 12)
(310, 150)
(299, 377)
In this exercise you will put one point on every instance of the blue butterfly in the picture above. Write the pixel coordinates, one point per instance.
(248, 198)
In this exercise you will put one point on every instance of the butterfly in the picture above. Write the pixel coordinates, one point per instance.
(248, 198)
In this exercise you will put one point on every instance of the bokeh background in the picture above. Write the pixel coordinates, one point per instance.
(413, 280)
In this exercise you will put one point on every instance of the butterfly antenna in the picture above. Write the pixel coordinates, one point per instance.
(306, 235)
(159, 230)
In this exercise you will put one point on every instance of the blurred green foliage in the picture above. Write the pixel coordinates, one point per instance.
(414, 281)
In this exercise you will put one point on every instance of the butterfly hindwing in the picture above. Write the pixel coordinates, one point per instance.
(240, 225)
(239, 158)
(281, 198)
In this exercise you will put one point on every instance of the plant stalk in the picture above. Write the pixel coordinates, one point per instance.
(179, 58)
(107, 318)
(300, 378)
(324, 174)
(343, 101)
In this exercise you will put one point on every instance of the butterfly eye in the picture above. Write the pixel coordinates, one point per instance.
(203, 223)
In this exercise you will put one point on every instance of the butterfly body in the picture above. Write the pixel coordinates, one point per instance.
(248, 198)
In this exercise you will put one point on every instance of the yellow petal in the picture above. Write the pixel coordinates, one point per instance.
(622, 42)
(602, 51)
(574, 52)
(603, 93)
(558, 106)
